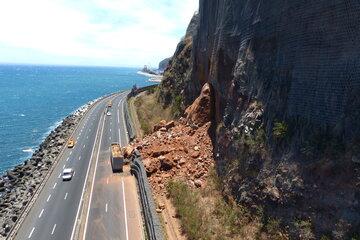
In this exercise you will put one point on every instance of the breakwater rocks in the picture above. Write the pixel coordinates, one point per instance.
(18, 185)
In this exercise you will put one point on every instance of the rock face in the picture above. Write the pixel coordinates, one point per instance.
(164, 64)
(176, 86)
(285, 77)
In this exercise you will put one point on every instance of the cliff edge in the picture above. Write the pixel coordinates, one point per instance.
(285, 107)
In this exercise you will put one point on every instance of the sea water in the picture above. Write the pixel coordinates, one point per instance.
(34, 100)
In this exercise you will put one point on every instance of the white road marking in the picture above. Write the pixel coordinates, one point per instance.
(47, 200)
(120, 138)
(59, 175)
(31, 232)
(79, 158)
(106, 207)
(86, 179)
(93, 180)
(126, 226)
(65, 196)
(110, 129)
(42, 211)
(110, 138)
(67, 159)
(54, 186)
(70, 153)
(53, 230)
(84, 146)
(64, 166)
(126, 136)
(74, 173)
(77, 138)
(87, 137)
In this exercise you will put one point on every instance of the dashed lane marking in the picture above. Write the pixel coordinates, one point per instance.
(41, 213)
(53, 230)
(54, 186)
(66, 194)
(106, 207)
(47, 200)
(31, 232)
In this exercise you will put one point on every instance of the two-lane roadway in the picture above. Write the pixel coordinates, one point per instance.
(113, 197)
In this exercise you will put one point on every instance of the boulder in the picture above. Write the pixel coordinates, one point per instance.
(199, 112)
(128, 151)
(198, 183)
(151, 166)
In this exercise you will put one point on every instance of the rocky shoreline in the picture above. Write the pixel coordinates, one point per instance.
(18, 185)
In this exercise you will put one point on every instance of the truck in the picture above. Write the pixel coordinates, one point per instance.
(116, 157)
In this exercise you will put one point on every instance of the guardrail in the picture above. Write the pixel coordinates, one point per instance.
(152, 223)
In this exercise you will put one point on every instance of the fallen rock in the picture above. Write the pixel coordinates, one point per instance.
(128, 151)
(200, 111)
(198, 183)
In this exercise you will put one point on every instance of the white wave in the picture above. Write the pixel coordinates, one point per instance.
(28, 150)
(22, 115)
(146, 74)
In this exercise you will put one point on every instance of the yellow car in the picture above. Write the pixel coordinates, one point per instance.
(71, 143)
(109, 104)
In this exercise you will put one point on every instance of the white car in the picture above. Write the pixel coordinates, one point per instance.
(67, 174)
(109, 114)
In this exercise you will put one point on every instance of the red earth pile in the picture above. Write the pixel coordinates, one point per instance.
(180, 150)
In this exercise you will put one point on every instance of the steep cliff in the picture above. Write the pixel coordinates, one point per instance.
(164, 64)
(286, 82)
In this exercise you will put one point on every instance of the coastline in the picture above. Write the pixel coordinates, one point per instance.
(19, 184)
(153, 77)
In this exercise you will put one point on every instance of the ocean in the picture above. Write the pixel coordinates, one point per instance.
(34, 100)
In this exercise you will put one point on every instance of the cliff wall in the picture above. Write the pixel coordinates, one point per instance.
(286, 82)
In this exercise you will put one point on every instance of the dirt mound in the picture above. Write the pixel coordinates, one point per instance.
(176, 150)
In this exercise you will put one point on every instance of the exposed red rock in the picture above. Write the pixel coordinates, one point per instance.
(199, 112)
(174, 154)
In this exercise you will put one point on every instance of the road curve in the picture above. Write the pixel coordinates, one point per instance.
(54, 213)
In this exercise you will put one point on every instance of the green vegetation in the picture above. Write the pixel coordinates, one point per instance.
(206, 214)
(186, 203)
(149, 111)
(280, 130)
(176, 106)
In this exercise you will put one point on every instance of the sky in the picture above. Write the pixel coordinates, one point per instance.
(128, 33)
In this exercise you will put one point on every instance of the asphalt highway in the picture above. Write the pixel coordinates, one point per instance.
(113, 197)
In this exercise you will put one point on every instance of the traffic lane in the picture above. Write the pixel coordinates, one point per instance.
(54, 195)
(133, 210)
(59, 226)
(122, 126)
(114, 119)
(106, 215)
(38, 212)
